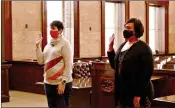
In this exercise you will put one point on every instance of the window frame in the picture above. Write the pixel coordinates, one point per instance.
(6, 24)
(76, 27)
(103, 21)
(158, 4)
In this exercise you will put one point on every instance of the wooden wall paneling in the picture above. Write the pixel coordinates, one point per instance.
(7, 21)
(5, 97)
(76, 30)
(102, 28)
(44, 23)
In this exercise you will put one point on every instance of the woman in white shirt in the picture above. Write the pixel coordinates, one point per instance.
(57, 58)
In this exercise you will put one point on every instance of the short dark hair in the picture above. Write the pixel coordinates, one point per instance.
(138, 26)
(57, 24)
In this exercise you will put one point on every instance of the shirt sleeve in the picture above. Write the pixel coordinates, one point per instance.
(40, 56)
(68, 61)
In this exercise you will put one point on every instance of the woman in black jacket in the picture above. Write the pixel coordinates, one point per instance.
(133, 64)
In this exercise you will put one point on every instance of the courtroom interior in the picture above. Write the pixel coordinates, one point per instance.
(88, 27)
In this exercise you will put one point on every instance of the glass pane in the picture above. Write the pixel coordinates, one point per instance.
(68, 21)
(120, 15)
(152, 39)
(152, 16)
(160, 41)
(54, 12)
(108, 34)
(120, 21)
(109, 15)
(160, 21)
(160, 29)
(114, 23)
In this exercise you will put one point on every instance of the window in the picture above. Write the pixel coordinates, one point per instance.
(114, 23)
(63, 11)
(54, 12)
(157, 26)
(157, 29)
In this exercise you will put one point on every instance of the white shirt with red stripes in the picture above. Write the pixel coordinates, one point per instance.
(57, 58)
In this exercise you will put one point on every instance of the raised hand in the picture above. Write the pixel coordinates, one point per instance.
(39, 40)
(111, 42)
(136, 102)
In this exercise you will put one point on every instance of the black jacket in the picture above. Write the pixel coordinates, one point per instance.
(134, 78)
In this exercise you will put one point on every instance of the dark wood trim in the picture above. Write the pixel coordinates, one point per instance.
(87, 59)
(44, 23)
(5, 97)
(114, 1)
(76, 29)
(166, 29)
(147, 22)
(169, 54)
(2, 34)
(102, 28)
(158, 2)
(127, 9)
(7, 17)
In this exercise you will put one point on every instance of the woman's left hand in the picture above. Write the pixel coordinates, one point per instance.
(61, 88)
(136, 102)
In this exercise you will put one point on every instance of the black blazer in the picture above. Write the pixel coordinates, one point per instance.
(137, 68)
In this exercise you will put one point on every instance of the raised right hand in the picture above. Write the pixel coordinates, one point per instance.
(111, 43)
(39, 40)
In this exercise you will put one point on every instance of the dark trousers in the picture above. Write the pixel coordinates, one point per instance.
(54, 99)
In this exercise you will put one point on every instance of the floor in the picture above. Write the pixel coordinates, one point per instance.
(25, 99)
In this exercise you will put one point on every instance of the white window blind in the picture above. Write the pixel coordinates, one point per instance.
(157, 29)
(114, 23)
(63, 11)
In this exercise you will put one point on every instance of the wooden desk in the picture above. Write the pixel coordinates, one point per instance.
(103, 84)
(23, 76)
(167, 85)
(170, 98)
(164, 102)
(156, 77)
(5, 82)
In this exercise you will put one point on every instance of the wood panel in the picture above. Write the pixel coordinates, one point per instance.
(101, 98)
(167, 86)
(164, 102)
(163, 82)
(127, 12)
(5, 82)
(158, 2)
(166, 28)
(7, 24)
(80, 98)
(102, 28)
(44, 23)
(76, 29)
(24, 75)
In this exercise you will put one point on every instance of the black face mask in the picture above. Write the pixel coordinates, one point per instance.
(127, 33)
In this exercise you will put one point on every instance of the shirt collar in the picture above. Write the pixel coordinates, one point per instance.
(53, 42)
